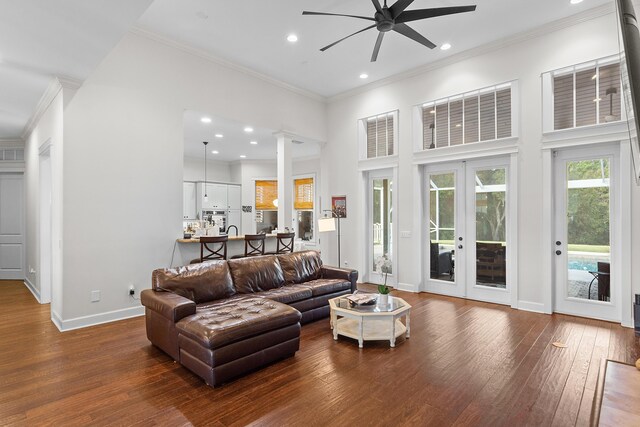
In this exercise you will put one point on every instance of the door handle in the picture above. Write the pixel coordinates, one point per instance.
(558, 252)
(459, 246)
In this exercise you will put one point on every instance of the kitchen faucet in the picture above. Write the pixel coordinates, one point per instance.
(229, 228)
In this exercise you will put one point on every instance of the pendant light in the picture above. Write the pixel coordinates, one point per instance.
(206, 198)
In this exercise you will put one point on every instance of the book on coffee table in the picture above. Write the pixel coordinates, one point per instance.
(362, 299)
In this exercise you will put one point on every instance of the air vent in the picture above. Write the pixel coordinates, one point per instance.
(12, 155)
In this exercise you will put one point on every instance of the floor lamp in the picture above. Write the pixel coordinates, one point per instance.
(328, 223)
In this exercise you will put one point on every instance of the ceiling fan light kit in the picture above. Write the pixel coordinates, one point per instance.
(395, 18)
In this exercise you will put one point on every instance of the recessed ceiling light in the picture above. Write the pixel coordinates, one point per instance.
(248, 129)
(575, 1)
(253, 142)
(242, 156)
(292, 38)
(364, 76)
(445, 46)
(215, 152)
(206, 120)
(219, 135)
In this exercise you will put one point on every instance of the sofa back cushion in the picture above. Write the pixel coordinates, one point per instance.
(256, 274)
(199, 282)
(301, 267)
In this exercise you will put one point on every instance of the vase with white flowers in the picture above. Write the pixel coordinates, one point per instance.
(383, 265)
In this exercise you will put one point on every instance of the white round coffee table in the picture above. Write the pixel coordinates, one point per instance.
(370, 322)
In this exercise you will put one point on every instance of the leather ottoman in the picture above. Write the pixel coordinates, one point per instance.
(227, 338)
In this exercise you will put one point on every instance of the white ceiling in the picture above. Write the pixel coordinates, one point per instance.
(235, 140)
(40, 39)
(253, 33)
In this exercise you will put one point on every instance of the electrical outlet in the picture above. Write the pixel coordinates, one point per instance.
(132, 290)
(95, 296)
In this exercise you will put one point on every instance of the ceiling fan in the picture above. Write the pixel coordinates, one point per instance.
(395, 18)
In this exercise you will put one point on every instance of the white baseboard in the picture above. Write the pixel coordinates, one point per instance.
(96, 319)
(535, 307)
(55, 318)
(32, 289)
(407, 287)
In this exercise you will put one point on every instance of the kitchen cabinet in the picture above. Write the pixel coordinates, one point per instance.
(189, 200)
(216, 196)
(234, 197)
(235, 218)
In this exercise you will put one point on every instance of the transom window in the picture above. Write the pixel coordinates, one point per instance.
(481, 115)
(380, 135)
(583, 95)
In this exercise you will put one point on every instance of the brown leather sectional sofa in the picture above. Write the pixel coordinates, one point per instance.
(223, 318)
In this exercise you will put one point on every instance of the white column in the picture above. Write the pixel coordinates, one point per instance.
(285, 181)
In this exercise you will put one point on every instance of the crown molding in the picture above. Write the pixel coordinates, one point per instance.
(55, 86)
(550, 27)
(143, 32)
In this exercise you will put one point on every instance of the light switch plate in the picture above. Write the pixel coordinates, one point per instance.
(95, 296)
(405, 234)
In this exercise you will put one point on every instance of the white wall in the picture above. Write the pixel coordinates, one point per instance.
(216, 170)
(124, 162)
(524, 61)
(48, 129)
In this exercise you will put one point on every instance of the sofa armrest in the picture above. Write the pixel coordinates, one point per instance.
(172, 306)
(341, 273)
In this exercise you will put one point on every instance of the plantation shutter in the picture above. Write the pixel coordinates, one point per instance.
(442, 125)
(303, 193)
(455, 122)
(563, 102)
(610, 104)
(586, 98)
(266, 193)
(428, 127)
(471, 123)
(380, 137)
(503, 111)
(487, 116)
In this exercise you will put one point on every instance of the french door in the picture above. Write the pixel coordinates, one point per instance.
(585, 244)
(467, 218)
(381, 258)
(12, 226)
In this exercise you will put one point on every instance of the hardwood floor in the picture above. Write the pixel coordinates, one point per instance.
(466, 363)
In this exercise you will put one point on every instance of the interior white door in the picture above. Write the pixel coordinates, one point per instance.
(11, 226)
(587, 279)
(467, 219)
(445, 214)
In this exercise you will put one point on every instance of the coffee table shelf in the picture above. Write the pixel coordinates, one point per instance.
(370, 324)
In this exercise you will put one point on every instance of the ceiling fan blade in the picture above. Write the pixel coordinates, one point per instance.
(406, 30)
(376, 4)
(344, 38)
(337, 14)
(399, 7)
(415, 15)
(376, 49)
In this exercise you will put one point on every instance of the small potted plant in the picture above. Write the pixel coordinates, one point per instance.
(383, 265)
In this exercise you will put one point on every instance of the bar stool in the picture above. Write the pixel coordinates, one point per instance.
(213, 252)
(284, 244)
(253, 246)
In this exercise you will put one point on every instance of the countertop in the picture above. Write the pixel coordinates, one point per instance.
(231, 238)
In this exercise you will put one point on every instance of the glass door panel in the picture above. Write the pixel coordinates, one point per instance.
(490, 225)
(585, 233)
(382, 224)
(442, 215)
(587, 187)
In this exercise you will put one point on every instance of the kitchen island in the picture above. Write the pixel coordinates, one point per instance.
(189, 249)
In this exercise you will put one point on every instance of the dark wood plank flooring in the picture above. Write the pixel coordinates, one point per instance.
(466, 363)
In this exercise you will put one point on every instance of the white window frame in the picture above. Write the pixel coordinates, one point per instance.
(548, 110)
(419, 125)
(362, 137)
(316, 210)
